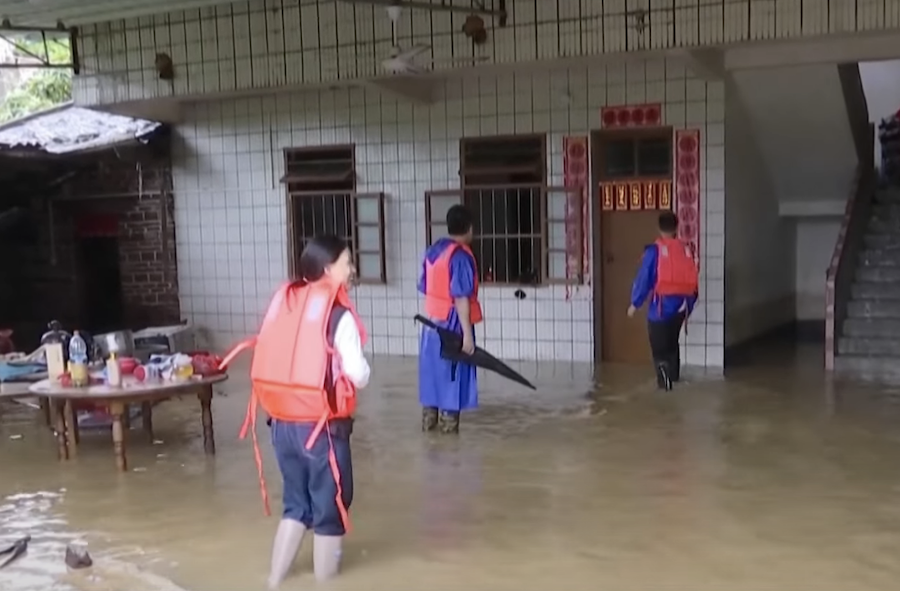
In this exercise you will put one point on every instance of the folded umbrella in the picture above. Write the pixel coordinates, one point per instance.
(451, 350)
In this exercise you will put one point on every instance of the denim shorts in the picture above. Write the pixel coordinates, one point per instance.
(310, 491)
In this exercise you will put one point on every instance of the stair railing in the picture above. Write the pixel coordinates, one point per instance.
(839, 277)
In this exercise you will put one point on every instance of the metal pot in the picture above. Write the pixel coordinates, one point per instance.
(120, 342)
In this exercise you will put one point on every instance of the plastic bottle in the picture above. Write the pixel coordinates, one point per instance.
(113, 372)
(78, 361)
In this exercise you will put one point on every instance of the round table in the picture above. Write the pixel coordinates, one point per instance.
(62, 400)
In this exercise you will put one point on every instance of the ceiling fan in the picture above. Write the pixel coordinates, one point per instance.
(401, 60)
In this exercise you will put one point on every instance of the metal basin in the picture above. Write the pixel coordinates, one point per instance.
(120, 342)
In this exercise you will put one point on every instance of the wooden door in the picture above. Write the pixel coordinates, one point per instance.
(623, 235)
(621, 231)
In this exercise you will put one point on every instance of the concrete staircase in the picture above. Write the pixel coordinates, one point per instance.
(869, 340)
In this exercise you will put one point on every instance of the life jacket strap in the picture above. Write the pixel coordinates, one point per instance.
(250, 425)
(240, 347)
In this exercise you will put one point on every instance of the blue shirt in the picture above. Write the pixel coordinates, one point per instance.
(661, 307)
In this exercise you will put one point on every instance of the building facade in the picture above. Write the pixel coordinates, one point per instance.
(255, 82)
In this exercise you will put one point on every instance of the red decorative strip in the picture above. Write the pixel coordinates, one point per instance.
(575, 175)
(619, 116)
(687, 186)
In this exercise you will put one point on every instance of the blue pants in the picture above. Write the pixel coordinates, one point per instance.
(309, 488)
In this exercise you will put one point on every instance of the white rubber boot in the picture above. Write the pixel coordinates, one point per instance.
(287, 543)
(327, 556)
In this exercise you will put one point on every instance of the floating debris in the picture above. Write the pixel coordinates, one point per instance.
(15, 551)
(78, 558)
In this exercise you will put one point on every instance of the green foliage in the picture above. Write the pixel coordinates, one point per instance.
(43, 89)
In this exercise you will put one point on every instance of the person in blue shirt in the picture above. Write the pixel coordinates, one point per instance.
(451, 301)
(670, 301)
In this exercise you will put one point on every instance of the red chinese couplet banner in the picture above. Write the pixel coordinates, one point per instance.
(687, 186)
(576, 175)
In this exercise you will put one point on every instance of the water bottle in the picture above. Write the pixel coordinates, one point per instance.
(78, 360)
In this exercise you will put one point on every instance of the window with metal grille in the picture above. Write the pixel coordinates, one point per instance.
(502, 179)
(525, 231)
(322, 199)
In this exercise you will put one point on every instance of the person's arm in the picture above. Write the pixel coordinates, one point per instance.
(349, 346)
(645, 280)
(690, 302)
(421, 284)
(462, 287)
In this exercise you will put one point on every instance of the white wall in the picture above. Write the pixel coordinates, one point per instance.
(230, 210)
(881, 84)
(759, 245)
(266, 44)
(801, 126)
(816, 238)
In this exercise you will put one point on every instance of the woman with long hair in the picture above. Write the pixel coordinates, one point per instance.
(311, 331)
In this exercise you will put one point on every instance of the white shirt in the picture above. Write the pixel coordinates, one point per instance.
(350, 358)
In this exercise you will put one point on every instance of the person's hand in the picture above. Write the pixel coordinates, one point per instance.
(631, 311)
(468, 344)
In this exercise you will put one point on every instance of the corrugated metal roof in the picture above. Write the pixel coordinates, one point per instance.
(68, 129)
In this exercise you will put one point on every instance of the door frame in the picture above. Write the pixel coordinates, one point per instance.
(597, 139)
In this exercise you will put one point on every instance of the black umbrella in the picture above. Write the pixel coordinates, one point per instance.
(451, 350)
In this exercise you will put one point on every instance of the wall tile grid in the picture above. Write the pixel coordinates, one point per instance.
(230, 208)
(275, 43)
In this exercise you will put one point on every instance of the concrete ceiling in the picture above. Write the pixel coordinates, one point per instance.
(78, 12)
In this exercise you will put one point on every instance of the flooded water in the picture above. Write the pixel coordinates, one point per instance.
(771, 479)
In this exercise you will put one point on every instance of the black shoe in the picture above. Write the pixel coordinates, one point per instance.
(429, 419)
(449, 422)
(663, 379)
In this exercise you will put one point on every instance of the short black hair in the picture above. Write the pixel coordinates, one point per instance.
(668, 222)
(459, 220)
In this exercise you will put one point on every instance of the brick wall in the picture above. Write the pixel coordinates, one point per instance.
(41, 278)
(147, 259)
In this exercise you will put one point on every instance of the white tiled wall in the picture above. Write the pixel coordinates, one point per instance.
(230, 208)
(256, 44)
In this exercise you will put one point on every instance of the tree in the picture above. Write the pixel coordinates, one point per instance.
(46, 87)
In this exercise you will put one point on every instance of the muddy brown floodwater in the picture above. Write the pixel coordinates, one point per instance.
(771, 479)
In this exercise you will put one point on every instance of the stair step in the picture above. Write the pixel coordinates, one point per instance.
(869, 346)
(886, 290)
(880, 257)
(886, 226)
(871, 327)
(882, 241)
(876, 369)
(886, 211)
(877, 274)
(887, 196)
(873, 309)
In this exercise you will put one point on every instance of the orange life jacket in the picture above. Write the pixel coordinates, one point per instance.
(676, 269)
(438, 301)
(292, 360)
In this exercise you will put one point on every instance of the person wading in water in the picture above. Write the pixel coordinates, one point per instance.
(449, 281)
(669, 278)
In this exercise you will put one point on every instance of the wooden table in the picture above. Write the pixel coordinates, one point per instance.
(62, 401)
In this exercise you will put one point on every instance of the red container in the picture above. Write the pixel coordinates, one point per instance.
(127, 365)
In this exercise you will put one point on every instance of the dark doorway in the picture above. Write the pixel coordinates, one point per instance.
(101, 279)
